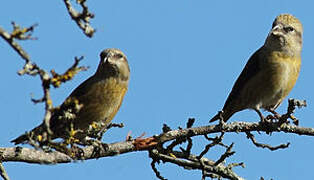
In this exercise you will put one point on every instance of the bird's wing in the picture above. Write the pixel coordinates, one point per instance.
(250, 70)
(82, 88)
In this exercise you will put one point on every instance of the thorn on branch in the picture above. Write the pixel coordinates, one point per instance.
(261, 145)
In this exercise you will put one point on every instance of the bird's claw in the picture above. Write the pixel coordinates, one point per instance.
(99, 148)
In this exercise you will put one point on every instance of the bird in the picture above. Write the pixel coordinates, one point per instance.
(270, 73)
(94, 103)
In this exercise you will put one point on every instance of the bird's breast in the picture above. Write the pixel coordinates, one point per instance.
(282, 72)
(102, 101)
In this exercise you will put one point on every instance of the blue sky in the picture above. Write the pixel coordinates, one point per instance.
(184, 58)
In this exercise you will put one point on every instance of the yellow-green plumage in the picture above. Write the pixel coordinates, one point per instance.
(270, 73)
(96, 100)
(105, 98)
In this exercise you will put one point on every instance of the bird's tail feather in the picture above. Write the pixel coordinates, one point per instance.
(222, 114)
(22, 139)
(215, 118)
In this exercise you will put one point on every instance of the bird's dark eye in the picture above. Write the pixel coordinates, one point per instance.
(288, 29)
(119, 56)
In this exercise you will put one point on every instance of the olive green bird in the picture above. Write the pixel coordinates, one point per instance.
(270, 73)
(93, 103)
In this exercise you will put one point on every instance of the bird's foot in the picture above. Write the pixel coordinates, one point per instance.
(294, 120)
(98, 146)
(262, 118)
(97, 129)
(76, 152)
(99, 149)
(275, 114)
(282, 119)
(270, 118)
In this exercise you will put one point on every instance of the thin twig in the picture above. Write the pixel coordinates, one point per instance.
(7, 37)
(153, 165)
(57, 79)
(216, 140)
(23, 33)
(128, 146)
(3, 173)
(32, 69)
(106, 128)
(228, 153)
(223, 172)
(81, 18)
(231, 165)
(292, 105)
(261, 145)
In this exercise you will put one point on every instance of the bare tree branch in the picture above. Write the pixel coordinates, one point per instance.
(154, 144)
(32, 69)
(227, 154)
(81, 18)
(3, 173)
(157, 173)
(29, 155)
(236, 127)
(7, 37)
(57, 79)
(194, 163)
(261, 145)
(216, 141)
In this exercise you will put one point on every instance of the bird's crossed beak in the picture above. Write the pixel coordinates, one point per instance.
(277, 30)
(107, 59)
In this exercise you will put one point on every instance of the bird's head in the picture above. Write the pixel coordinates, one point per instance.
(113, 62)
(285, 35)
